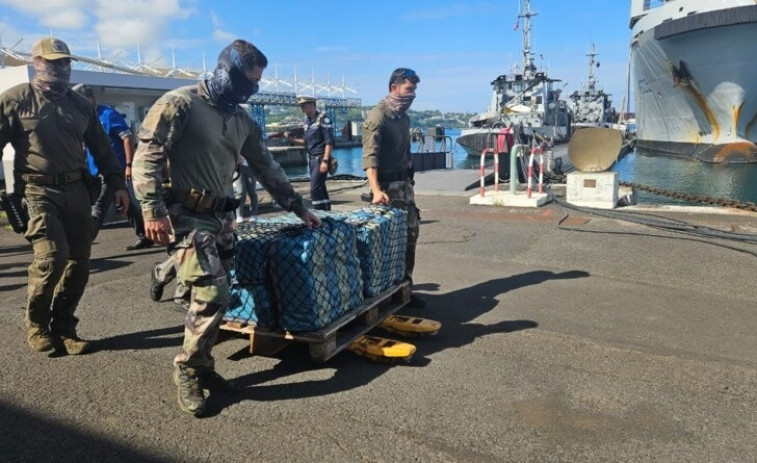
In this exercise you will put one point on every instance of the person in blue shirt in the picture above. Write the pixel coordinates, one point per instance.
(120, 135)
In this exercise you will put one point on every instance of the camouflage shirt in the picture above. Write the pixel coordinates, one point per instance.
(49, 136)
(201, 145)
(386, 140)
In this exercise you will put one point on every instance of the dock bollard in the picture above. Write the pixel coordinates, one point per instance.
(515, 153)
(529, 189)
(496, 169)
(541, 171)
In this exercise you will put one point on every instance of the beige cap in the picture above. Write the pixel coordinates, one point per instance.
(50, 49)
(306, 99)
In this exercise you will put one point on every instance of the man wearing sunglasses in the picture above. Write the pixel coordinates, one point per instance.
(47, 123)
(387, 161)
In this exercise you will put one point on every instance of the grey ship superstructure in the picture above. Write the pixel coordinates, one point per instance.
(527, 102)
(592, 107)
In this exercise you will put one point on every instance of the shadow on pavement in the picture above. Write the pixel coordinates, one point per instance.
(152, 339)
(16, 250)
(454, 310)
(30, 437)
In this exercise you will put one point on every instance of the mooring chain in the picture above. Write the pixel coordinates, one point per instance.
(744, 205)
(748, 206)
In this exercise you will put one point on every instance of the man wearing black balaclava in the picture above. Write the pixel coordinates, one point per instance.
(200, 131)
(387, 161)
(47, 124)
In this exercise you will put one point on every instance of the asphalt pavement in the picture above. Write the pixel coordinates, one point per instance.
(609, 342)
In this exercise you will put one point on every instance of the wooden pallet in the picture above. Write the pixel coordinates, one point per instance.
(333, 338)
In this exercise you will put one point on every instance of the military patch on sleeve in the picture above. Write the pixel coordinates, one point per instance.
(326, 122)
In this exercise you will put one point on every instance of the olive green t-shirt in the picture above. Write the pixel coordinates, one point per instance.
(386, 140)
(49, 136)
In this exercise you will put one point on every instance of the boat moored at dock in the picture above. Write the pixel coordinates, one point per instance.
(694, 66)
(527, 102)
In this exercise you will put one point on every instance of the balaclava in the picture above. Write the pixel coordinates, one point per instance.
(51, 77)
(229, 86)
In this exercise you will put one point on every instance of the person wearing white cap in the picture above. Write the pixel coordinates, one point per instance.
(318, 140)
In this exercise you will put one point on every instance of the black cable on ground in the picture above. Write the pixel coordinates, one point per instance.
(696, 233)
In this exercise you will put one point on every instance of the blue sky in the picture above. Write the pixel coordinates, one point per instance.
(457, 47)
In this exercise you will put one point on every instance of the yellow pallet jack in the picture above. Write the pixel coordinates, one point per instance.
(412, 327)
(382, 350)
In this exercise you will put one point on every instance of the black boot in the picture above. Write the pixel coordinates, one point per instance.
(156, 287)
(142, 243)
(191, 397)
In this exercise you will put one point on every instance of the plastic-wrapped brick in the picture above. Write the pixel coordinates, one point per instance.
(315, 275)
(381, 246)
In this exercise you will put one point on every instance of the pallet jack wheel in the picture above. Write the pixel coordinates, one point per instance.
(412, 327)
(382, 350)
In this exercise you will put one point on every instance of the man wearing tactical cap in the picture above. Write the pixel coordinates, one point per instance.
(387, 162)
(50, 170)
(318, 140)
(200, 131)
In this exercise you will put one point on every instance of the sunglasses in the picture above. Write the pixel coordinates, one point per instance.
(406, 74)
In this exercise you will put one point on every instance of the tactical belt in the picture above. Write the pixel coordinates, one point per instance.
(202, 201)
(393, 176)
(52, 179)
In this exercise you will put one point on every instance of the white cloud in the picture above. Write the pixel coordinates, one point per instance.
(117, 23)
(138, 21)
(215, 19)
(70, 19)
(56, 14)
(224, 36)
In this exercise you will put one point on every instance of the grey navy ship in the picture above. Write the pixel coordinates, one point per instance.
(527, 102)
(592, 106)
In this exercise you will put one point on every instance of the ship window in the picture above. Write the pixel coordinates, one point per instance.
(539, 99)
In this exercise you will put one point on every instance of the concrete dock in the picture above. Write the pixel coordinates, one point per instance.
(615, 343)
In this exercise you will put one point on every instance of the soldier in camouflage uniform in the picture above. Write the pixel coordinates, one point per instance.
(47, 124)
(387, 161)
(200, 131)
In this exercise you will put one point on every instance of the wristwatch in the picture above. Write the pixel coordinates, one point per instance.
(128, 164)
(325, 160)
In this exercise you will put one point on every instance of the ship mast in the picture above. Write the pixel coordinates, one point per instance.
(528, 60)
(591, 55)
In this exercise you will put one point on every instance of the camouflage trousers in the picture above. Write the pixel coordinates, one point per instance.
(166, 271)
(402, 195)
(205, 252)
(60, 232)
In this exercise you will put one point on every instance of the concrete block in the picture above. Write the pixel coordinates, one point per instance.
(593, 189)
(504, 198)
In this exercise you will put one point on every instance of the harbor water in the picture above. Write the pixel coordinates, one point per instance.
(723, 181)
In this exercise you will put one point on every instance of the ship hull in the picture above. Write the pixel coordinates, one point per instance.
(695, 87)
(475, 140)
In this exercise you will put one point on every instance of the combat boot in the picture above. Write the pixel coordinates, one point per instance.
(156, 287)
(74, 345)
(214, 382)
(191, 397)
(39, 339)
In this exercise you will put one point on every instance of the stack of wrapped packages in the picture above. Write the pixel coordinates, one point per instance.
(289, 278)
